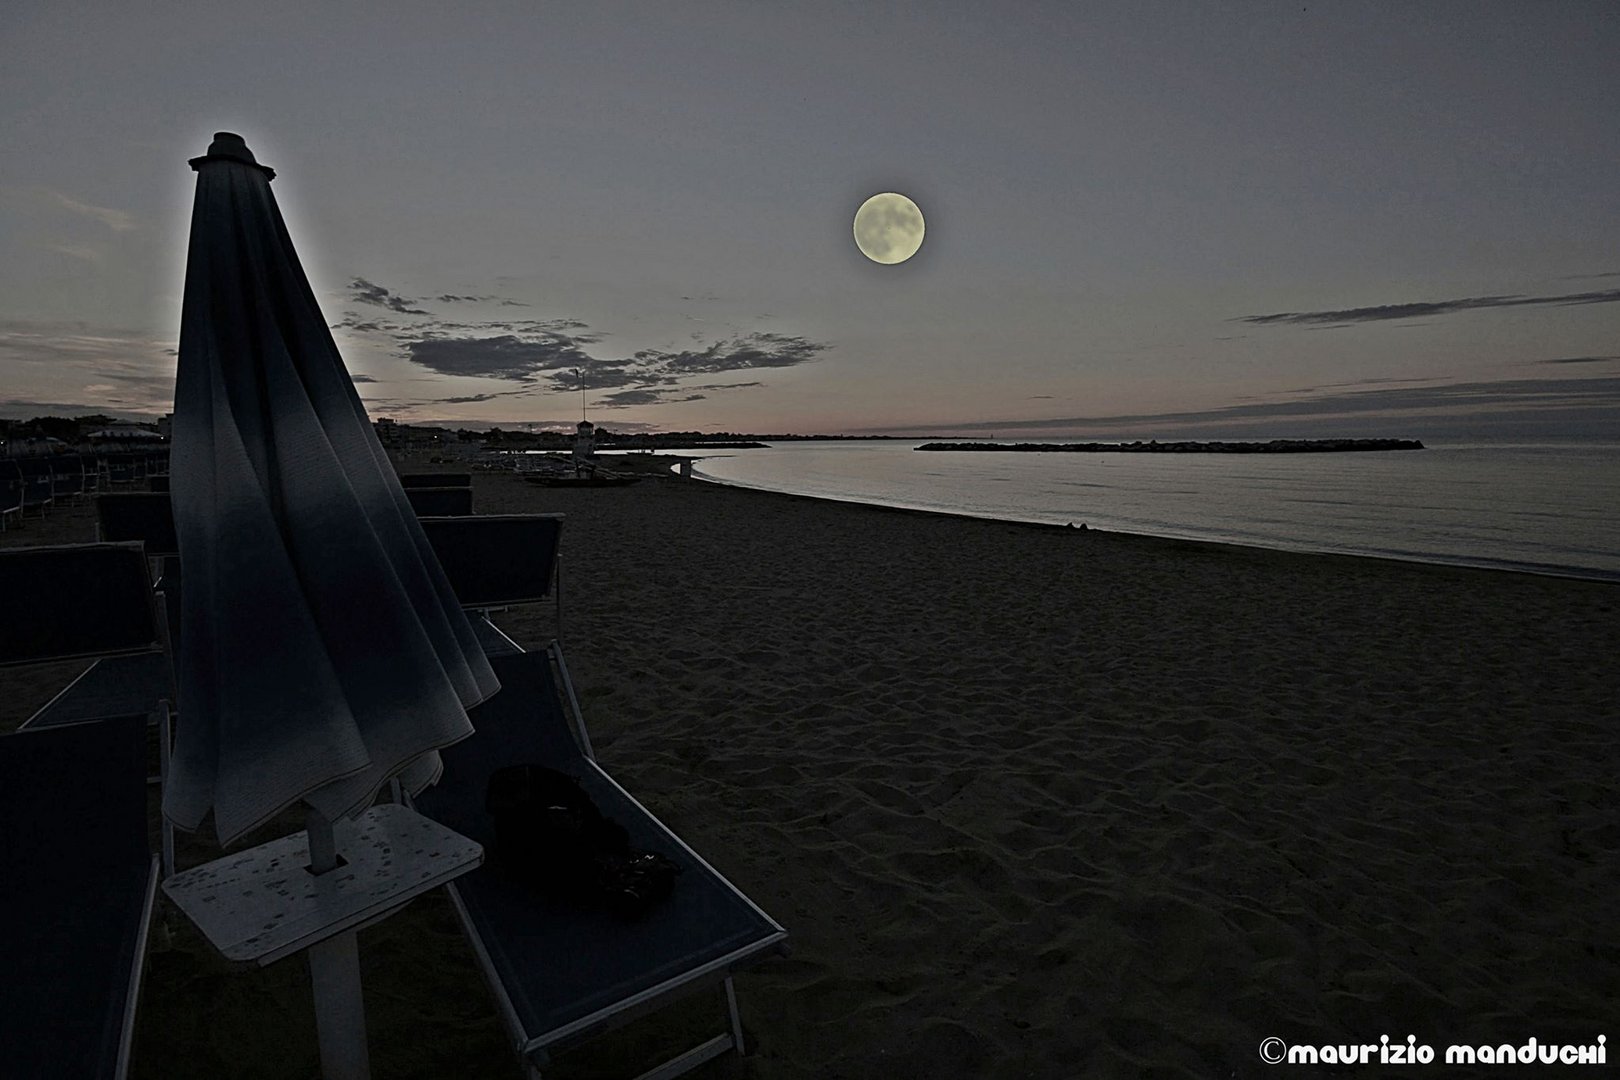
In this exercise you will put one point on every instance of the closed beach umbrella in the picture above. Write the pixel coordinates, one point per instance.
(322, 650)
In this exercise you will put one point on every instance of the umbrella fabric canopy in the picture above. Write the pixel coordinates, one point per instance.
(321, 647)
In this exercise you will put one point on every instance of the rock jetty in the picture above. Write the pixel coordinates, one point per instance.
(1275, 446)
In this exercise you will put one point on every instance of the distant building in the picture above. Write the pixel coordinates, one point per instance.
(387, 431)
(124, 435)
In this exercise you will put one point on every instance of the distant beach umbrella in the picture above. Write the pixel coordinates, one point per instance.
(322, 650)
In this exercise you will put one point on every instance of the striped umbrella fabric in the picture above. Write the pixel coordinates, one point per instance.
(322, 651)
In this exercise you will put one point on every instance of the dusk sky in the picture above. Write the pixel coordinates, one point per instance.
(1142, 219)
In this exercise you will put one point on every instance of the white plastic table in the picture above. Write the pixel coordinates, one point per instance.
(265, 903)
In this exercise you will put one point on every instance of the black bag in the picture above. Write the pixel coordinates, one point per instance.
(549, 833)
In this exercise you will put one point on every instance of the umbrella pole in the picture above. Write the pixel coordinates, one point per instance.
(334, 972)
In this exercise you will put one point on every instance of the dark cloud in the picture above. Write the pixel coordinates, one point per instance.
(738, 354)
(453, 298)
(505, 356)
(553, 352)
(1579, 360)
(547, 352)
(362, 378)
(1385, 312)
(471, 398)
(365, 292)
(624, 399)
(352, 320)
(28, 408)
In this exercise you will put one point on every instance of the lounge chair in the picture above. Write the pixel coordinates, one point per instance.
(145, 516)
(38, 488)
(11, 491)
(440, 501)
(76, 897)
(497, 561)
(67, 476)
(92, 601)
(124, 468)
(563, 973)
(435, 480)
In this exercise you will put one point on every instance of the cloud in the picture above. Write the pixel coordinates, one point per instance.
(362, 379)
(555, 353)
(454, 298)
(468, 399)
(624, 399)
(1579, 360)
(55, 359)
(751, 351)
(28, 408)
(116, 220)
(365, 292)
(1384, 312)
(546, 352)
(78, 251)
(505, 356)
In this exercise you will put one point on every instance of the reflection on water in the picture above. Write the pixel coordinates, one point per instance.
(1553, 508)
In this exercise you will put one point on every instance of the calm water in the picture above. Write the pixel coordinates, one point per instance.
(1549, 508)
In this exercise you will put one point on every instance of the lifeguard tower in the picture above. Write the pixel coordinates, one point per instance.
(584, 449)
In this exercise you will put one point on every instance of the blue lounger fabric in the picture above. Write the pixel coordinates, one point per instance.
(114, 686)
(146, 516)
(63, 602)
(557, 962)
(435, 480)
(496, 560)
(440, 501)
(73, 895)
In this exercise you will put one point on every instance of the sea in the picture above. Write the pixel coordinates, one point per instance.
(1549, 508)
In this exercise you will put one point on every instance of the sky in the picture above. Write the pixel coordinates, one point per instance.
(1142, 219)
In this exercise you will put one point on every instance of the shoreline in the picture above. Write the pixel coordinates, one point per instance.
(1587, 574)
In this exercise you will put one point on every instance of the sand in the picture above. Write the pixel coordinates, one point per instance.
(1035, 802)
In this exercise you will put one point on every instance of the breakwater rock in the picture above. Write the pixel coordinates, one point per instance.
(1275, 446)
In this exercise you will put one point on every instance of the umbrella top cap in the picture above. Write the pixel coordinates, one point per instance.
(229, 146)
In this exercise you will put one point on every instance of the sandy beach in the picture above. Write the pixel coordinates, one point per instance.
(1033, 802)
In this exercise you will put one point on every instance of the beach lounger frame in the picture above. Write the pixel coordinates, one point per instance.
(534, 1048)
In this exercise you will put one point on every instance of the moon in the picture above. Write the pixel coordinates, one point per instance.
(888, 228)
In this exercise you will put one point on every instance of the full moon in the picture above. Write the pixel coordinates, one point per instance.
(888, 228)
